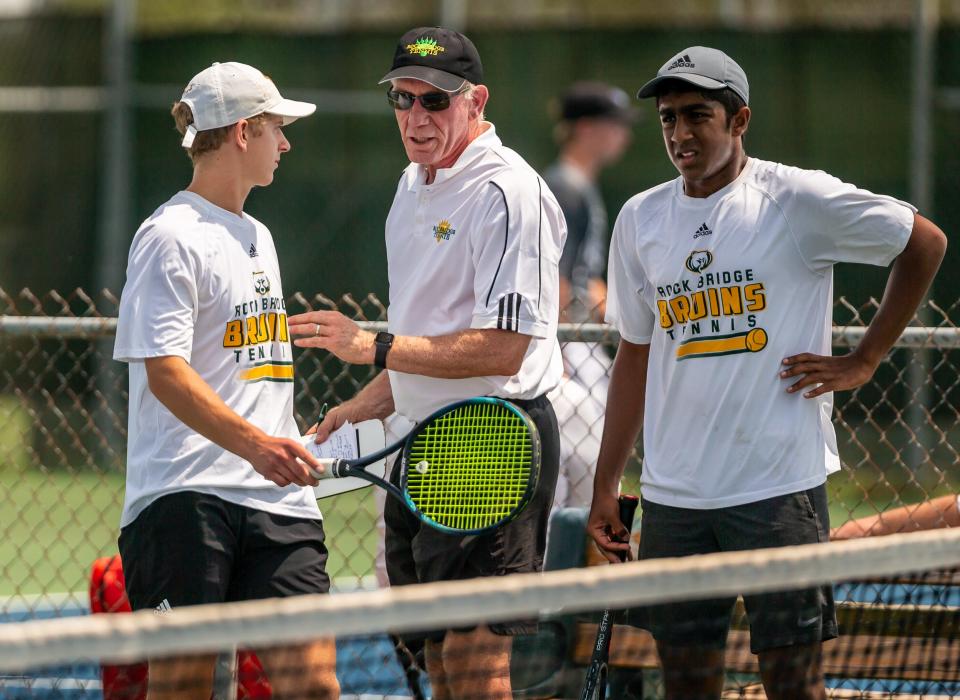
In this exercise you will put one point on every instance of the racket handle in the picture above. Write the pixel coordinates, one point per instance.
(628, 508)
(330, 467)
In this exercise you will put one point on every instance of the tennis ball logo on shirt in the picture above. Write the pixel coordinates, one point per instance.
(425, 46)
(755, 340)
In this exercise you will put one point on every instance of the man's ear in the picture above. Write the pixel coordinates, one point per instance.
(478, 100)
(240, 134)
(740, 122)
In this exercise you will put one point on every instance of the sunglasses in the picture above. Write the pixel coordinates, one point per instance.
(431, 101)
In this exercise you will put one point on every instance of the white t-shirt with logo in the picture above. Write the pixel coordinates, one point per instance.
(477, 248)
(723, 288)
(204, 284)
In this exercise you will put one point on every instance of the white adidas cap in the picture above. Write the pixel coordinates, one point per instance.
(225, 93)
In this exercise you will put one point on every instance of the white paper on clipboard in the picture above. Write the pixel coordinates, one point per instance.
(349, 441)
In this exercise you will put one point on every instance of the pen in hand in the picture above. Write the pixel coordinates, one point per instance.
(312, 429)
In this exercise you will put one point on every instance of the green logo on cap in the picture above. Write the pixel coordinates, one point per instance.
(425, 47)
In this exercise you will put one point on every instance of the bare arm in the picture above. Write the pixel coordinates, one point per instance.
(566, 297)
(928, 515)
(468, 353)
(910, 277)
(596, 300)
(624, 418)
(375, 400)
(178, 387)
(597, 294)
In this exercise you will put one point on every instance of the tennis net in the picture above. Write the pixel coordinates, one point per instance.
(898, 606)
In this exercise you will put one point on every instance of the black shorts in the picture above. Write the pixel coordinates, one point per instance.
(419, 553)
(190, 548)
(776, 619)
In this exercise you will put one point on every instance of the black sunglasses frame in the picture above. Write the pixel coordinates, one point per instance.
(430, 101)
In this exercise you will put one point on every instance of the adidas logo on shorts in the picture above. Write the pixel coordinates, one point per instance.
(164, 607)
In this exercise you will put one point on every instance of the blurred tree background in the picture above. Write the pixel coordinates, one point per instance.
(831, 86)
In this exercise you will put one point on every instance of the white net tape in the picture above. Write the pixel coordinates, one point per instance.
(412, 608)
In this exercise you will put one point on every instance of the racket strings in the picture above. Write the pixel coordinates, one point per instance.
(472, 467)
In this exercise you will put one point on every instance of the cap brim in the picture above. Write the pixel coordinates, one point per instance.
(447, 82)
(291, 110)
(650, 89)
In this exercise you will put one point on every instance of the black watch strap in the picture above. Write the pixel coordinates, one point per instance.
(383, 342)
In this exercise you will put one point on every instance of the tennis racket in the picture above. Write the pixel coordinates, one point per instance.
(595, 684)
(466, 469)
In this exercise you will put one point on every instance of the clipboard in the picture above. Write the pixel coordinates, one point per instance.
(367, 436)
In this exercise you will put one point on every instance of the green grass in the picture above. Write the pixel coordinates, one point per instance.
(56, 523)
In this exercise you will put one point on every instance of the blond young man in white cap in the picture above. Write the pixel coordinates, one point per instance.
(721, 285)
(217, 503)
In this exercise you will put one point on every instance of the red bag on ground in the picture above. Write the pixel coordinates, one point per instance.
(108, 594)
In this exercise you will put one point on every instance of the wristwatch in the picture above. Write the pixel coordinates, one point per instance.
(383, 343)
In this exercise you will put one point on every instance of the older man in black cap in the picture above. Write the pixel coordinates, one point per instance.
(473, 243)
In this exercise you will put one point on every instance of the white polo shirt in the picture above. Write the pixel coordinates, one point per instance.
(723, 288)
(477, 248)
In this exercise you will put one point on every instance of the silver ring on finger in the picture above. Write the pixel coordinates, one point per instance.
(317, 331)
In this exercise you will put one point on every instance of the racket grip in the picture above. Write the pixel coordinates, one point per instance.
(628, 508)
(329, 465)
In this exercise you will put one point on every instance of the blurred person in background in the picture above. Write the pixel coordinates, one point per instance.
(721, 285)
(473, 238)
(218, 506)
(594, 128)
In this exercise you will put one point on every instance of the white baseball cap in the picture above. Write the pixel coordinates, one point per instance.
(225, 93)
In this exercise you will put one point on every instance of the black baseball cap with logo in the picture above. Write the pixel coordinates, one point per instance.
(436, 55)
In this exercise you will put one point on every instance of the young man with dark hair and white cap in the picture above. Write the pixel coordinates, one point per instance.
(218, 505)
(721, 288)
(473, 242)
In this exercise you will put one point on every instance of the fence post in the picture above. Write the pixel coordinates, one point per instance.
(926, 20)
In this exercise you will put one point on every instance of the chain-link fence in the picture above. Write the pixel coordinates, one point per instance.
(63, 433)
